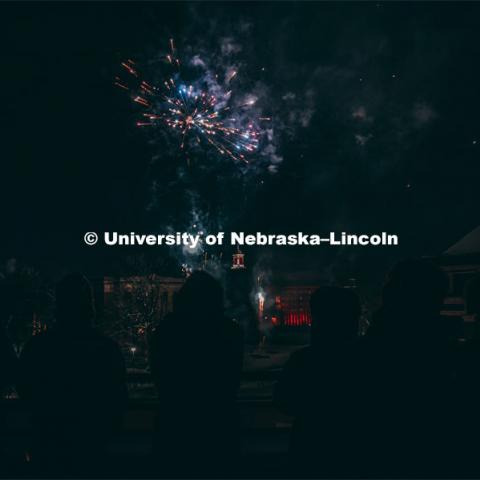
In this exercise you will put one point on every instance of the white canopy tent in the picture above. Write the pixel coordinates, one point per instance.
(467, 245)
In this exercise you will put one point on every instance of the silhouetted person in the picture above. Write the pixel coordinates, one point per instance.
(318, 387)
(8, 357)
(407, 403)
(468, 380)
(73, 379)
(196, 356)
(8, 366)
(8, 360)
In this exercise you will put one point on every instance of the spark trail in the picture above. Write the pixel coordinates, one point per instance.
(191, 112)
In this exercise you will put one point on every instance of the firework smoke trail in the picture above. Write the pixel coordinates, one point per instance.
(192, 112)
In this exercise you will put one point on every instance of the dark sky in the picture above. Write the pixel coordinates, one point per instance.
(376, 106)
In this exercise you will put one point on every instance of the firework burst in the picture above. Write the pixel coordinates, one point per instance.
(192, 112)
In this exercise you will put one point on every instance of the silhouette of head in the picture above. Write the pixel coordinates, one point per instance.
(335, 314)
(201, 294)
(74, 301)
(414, 290)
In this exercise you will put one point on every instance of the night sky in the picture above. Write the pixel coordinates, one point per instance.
(375, 110)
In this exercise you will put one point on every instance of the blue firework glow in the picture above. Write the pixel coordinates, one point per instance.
(192, 112)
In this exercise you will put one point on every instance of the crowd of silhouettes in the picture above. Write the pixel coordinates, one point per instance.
(384, 404)
(399, 401)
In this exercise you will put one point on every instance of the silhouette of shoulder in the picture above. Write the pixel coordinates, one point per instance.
(290, 389)
(56, 362)
(90, 338)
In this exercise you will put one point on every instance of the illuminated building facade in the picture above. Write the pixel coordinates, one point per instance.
(164, 287)
(292, 306)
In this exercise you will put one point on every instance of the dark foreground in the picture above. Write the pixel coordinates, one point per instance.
(264, 443)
